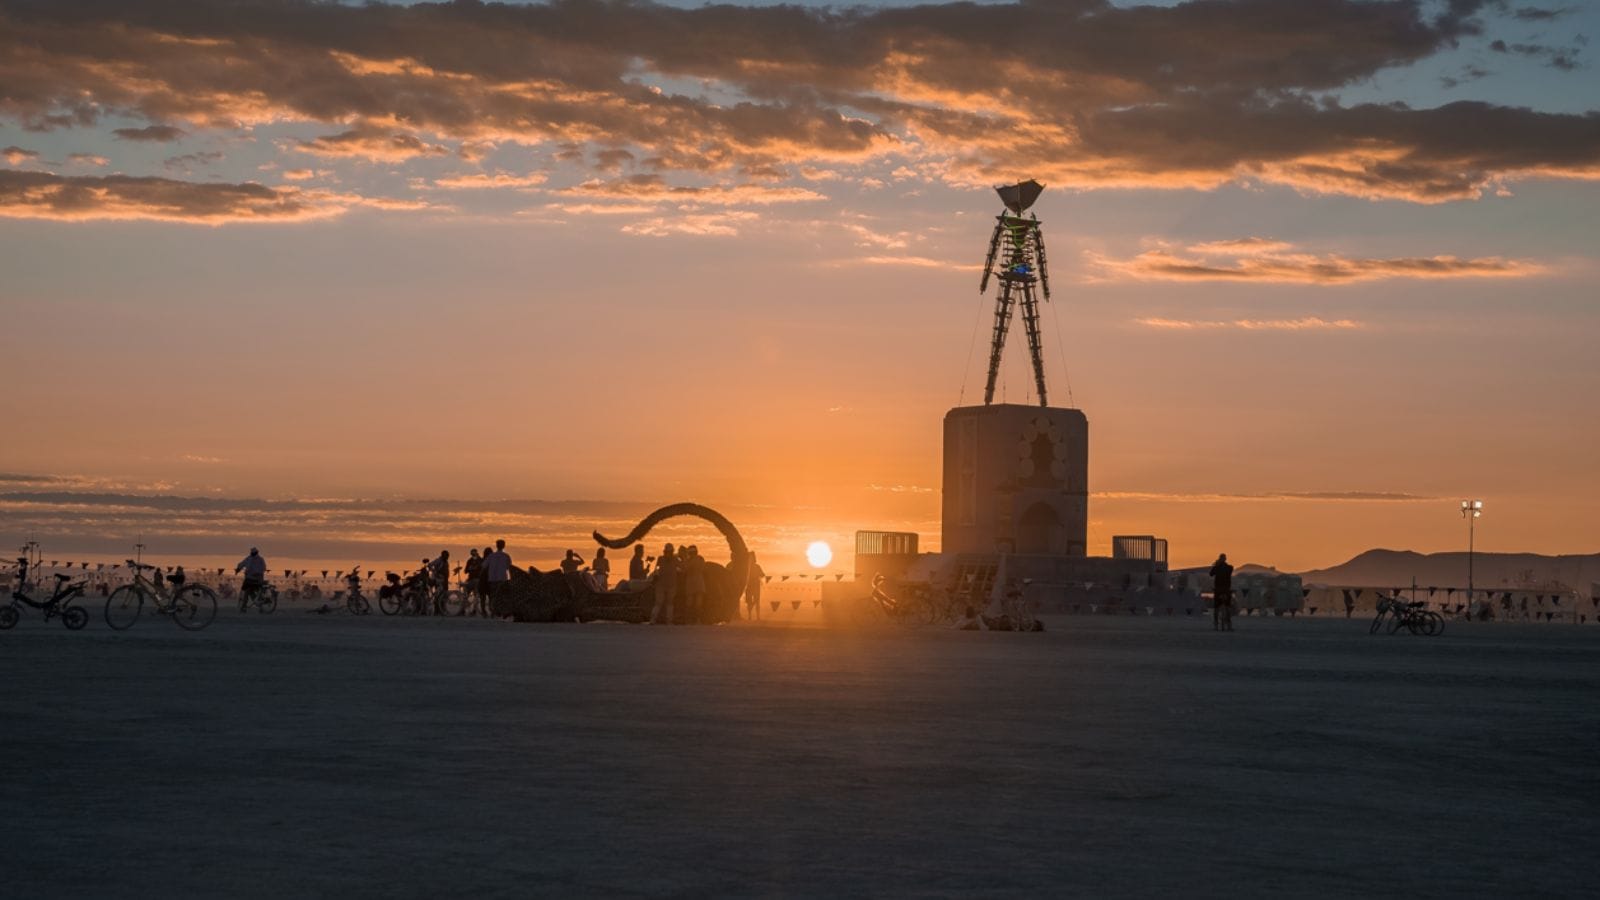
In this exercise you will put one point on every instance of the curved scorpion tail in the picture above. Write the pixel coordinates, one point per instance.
(738, 568)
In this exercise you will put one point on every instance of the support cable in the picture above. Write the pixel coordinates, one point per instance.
(1061, 353)
(972, 346)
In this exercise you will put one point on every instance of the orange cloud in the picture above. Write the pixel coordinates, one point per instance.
(917, 262)
(15, 155)
(604, 209)
(653, 188)
(1268, 496)
(723, 224)
(373, 142)
(1308, 323)
(1260, 260)
(481, 181)
(42, 195)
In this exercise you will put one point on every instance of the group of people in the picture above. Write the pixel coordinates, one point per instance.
(481, 573)
(679, 574)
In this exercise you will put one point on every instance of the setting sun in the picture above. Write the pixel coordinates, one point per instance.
(819, 554)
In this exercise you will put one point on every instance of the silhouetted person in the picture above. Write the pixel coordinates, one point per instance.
(472, 571)
(881, 596)
(1349, 604)
(571, 563)
(483, 580)
(497, 567)
(694, 584)
(600, 570)
(176, 579)
(666, 579)
(1222, 594)
(638, 566)
(441, 580)
(254, 568)
(752, 590)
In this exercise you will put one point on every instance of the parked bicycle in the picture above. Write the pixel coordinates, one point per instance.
(59, 602)
(411, 597)
(192, 606)
(472, 603)
(918, 604)
(355, 601)
(1413, 616)
(453, 602)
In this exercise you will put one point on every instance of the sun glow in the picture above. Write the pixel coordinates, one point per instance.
(819, 554)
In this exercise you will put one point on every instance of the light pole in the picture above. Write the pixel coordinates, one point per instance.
(1470, 510)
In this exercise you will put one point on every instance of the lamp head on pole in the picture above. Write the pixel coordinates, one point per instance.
(1473, 508)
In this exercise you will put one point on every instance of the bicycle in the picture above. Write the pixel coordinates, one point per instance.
(919, 604)
(411, 598)
(1413, 616)
(455, 602)
(264, 598)
(58, 604)
(473, 603)
(355, 601)
(192, 606)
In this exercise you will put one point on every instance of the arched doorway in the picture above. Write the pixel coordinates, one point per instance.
(1040, 532)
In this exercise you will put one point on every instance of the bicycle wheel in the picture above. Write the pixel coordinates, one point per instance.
(1433, 624)
(74, 617)
(269, 600)
(194, 607)
(389, 605)
(123, 607)
(8, 616)
(454, 603)
(357, 605)
(1377, 623)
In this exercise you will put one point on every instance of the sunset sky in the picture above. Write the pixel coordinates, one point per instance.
(1321, 268)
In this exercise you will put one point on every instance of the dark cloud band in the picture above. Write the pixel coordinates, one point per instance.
(1075, 91)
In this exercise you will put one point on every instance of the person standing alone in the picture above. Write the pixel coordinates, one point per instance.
(752, 590)
(1222, 594)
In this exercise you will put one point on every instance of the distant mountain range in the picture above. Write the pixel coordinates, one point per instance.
(1396, 568)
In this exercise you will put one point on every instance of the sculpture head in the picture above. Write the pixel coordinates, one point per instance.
(1018, 197)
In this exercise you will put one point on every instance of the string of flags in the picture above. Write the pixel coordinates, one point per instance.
(339, 574)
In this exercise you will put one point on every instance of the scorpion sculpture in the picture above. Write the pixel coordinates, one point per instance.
(535, 596)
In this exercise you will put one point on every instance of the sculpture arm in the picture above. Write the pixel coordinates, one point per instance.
(994, 248)
(1044, 272)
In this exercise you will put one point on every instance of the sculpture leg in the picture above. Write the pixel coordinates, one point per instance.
(1030, 321)
(1002, 324)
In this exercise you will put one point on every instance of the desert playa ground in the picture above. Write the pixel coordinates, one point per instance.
(300, 755)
